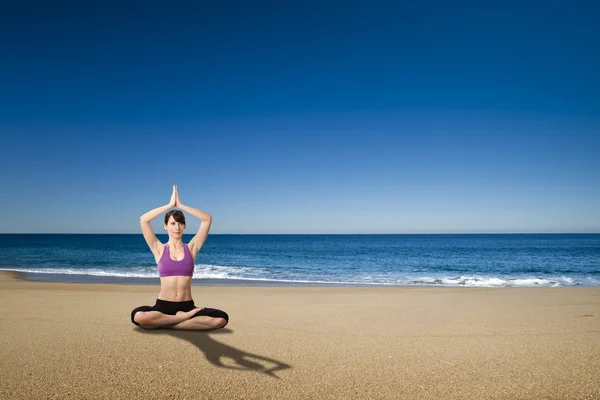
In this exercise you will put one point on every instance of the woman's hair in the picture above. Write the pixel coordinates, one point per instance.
(177, 216)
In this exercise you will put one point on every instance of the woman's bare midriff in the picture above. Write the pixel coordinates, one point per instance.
(175, 288)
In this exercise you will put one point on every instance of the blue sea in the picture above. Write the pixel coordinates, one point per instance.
(471, 260)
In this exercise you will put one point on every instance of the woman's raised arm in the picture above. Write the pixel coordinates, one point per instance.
(145, 219)
(198, 240)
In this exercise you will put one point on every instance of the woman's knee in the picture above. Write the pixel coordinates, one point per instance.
(222, 319)
(219, 323)
(140, 315)
(143, 320)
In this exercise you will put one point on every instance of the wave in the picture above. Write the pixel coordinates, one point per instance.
(253, 275)
(87, 271)
(491, 281)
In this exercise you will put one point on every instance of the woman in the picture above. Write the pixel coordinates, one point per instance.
(174, 307)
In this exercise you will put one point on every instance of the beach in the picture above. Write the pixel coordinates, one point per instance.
(76, 341)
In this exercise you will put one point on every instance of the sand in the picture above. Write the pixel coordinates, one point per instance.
(76, 341)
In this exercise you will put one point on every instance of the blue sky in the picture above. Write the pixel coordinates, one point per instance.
(302, 117)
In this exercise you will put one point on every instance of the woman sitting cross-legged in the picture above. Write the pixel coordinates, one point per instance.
(174, 306)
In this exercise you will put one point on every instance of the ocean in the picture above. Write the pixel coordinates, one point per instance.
(470, 260)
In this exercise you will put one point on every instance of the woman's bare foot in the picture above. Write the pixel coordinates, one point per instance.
(185, 315)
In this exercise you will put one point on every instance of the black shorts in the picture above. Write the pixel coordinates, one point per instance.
(173, 307)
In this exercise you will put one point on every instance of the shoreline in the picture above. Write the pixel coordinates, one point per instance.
(117, 280)
(72, 340)
(153, 281)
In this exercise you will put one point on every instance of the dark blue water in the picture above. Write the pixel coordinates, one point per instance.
(445, 260)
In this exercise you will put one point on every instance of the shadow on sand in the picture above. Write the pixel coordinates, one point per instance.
(215, 351)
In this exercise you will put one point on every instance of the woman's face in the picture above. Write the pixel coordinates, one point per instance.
(174, 228)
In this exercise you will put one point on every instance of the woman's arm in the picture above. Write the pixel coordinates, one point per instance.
(145, 219)
(198, 240)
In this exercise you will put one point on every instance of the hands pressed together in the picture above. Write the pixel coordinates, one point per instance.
(175, 202)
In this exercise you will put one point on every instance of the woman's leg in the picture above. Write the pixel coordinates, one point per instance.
(200, 324)
(156, 319)
(206, 319)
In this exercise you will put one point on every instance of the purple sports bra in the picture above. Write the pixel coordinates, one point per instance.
(170, 267)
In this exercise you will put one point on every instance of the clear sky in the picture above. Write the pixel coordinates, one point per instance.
(301, 117)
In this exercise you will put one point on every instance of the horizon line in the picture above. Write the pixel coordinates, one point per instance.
(306, 234)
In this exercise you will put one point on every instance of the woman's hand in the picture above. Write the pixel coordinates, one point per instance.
(173, 202)
(177, 201)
